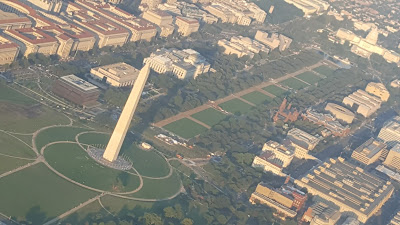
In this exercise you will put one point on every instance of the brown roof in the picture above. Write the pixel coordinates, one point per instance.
(9, 44)
(160, 12)
(15, 20)
(20, 33)
(187, 20)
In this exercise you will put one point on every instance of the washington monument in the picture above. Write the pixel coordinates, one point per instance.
(118, 136)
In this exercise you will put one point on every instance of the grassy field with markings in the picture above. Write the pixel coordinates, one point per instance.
(185, 128)
(256, 97)
(294, 83)
(209, 116)
(236, 106)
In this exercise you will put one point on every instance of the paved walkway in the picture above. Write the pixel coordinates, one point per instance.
(237, 95)
(69, 212)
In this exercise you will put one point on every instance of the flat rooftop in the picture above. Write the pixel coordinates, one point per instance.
(347, 184)
(5, 43)
(7, 17)
(31, 35)
(78, 82)
(303, 136)
(370, 148)
(119, 69)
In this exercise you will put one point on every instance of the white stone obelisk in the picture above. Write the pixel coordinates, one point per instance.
(118, 136)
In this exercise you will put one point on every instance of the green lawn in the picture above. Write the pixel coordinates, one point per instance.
(185, 128)
(8, 164)
(10, 95)
(36, 194)
(294, 83)
(147, 163)
(209, 116)
(180, 167)
(256, 98)
(309, 77)
(159, 189)
(275, 90)
(236, 106)
(14, 147)
(28, 119)
(86, 213)
(57, 134)
(324, 70)
(116, 204)
(94, 139)
(73, 162)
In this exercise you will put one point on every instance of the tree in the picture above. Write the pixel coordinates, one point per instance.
(170, 212)
(151, 219)
(222, 219)
(187, 221)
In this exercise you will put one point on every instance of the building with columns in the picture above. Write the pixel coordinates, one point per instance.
(8, 51)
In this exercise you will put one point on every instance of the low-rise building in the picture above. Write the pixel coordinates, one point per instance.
(302, 141)
(107, 32)
(268, 163)
(390, 173)
(33, 40)
(340, 112)
(139, 28)
(76, 90)
(242, 46)
(393, 158)
(365, 47)
(287, 200)
(286, 112)
(161, 18)
(348, 186)
(321, 213)
(328, 121)
(183, 64)
(395, 83)
(187, 26)
(70, 38)
(8, 51)
(302, 138)
(117, 74)
(378, 89)
(273, 41)
(310, 6)
(367, 104)
(390, 132)
(369, 152)
(48, 5)
(13, 21)
(395, 220)
(283, 153)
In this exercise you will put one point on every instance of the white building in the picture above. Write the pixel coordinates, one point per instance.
(390, 133)
(183, 64)
(117, 74)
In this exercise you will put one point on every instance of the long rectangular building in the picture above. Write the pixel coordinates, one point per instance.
(348, 186)
(76, 90)
(139, 28)
(107, 32)
(8, 51)
(390, 133)
(369, 152)
(367, 104)
(13, 21)
(34, 40)
(286, 199)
